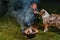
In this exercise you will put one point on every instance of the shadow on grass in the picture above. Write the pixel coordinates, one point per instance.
(30, 36)
(53, 29)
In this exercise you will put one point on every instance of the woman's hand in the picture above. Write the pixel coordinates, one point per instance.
(35, 12)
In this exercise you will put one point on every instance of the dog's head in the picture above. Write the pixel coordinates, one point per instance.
(42, 12)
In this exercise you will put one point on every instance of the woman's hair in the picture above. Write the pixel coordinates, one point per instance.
(32, 3)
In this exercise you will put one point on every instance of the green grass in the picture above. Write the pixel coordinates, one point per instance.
(9, 30)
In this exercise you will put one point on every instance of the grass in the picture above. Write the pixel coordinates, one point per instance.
(9, 30)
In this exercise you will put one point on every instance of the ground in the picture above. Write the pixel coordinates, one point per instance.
(10, 30)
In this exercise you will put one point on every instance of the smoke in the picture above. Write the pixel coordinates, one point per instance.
(18, 9)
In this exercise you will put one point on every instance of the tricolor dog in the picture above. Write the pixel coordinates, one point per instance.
(50, 20)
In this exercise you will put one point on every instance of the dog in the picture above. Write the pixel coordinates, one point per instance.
(50, 20)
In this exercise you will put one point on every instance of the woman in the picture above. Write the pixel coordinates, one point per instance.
(30, 18)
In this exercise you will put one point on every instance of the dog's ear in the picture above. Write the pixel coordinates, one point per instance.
(43, 12)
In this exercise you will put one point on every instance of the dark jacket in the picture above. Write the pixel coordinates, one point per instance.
(29, 17)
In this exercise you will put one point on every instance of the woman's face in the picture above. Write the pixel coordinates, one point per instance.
(34, 6)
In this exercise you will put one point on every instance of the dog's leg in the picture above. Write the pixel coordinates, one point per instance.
(45, 28)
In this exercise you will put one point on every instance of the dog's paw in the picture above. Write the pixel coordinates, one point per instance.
(45, 30)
